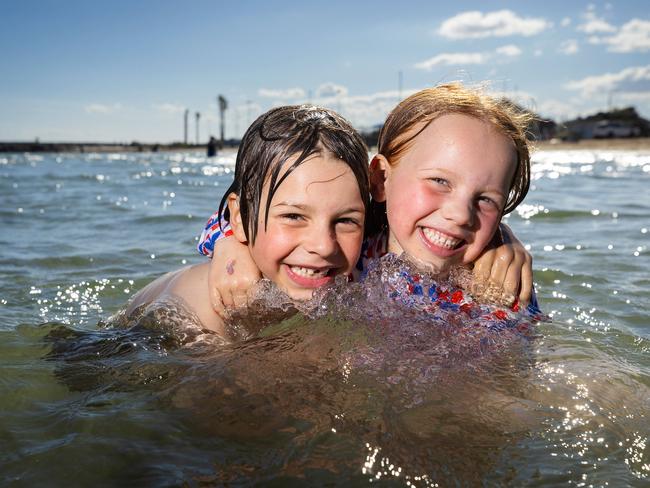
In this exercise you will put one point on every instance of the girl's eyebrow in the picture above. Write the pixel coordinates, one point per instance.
(447, 172)
(434, 167)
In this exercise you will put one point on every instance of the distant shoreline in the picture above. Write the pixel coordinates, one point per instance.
(94, 147)
(630, 144)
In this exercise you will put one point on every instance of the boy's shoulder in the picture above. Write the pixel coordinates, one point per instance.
(190, 285)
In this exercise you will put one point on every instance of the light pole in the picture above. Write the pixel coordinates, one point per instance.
(185, 116)
(223, 105)
(198, 116)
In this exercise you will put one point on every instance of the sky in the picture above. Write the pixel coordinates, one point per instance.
(124, 71)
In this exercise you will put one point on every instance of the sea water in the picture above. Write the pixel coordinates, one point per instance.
(349, 398)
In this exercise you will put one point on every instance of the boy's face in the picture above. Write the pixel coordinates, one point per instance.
(315, 226)
(445, 196)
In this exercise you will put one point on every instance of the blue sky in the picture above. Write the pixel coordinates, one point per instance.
(127, 70)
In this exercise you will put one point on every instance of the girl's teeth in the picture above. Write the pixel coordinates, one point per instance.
(439, 239)
(309, 272)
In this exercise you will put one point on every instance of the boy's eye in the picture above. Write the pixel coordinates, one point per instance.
(291, 216)
(347, 221)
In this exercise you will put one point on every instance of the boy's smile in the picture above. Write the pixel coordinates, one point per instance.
(315, 226)
(445, 195)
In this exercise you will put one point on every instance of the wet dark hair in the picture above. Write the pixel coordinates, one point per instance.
(299, 131)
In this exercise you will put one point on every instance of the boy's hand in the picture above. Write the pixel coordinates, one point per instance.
(505, 270)
(232, 274)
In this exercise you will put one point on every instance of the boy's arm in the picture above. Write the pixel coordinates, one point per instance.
(505, 267)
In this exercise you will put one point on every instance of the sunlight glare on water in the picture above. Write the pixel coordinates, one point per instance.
(356, 392)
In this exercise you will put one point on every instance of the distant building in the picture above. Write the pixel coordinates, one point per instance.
(615, 123)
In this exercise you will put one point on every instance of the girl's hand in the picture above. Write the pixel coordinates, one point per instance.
(232, 274)
(505, 270)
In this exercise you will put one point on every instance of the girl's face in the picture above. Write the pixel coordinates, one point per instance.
(315, 226)
(445, 196)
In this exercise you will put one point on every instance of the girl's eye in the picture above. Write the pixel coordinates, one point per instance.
(292, 216)
(488, 201)
(439, 181)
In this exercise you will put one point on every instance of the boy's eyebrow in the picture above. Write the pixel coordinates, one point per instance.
(291, 204)
(306, 207)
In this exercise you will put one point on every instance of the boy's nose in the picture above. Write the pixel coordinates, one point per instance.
(321, 240)
(460, 211)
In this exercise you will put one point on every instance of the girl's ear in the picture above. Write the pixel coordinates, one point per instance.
(378, 167)
(236, 223)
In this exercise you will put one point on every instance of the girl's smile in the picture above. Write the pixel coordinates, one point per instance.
(446, 194)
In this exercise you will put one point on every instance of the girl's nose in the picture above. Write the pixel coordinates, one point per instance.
(459, 210)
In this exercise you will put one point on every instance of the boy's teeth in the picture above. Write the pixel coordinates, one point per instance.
(309, 272)
(439, 239)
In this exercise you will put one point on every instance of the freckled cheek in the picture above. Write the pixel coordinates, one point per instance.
(275, 242)
(412, 205)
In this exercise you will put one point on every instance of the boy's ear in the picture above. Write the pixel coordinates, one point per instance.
(378, 167)
(236, 223)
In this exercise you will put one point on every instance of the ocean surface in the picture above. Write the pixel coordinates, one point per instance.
(333, 400)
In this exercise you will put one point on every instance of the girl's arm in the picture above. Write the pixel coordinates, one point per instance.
(232, 271)
(506, 269)
(231, 276)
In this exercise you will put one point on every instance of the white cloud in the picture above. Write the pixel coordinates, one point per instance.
(509, 50)
(634, 36)
(557, 110)
(169, 108)
(594, 24)
(502, 23)
(565, 22)
(365, 111)
(635, 79)
(288, 94)
(455, 59)
(568, 47)
(100, 108)
(537, 53)
(329, 89)
(639, 97)
(449, 59)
